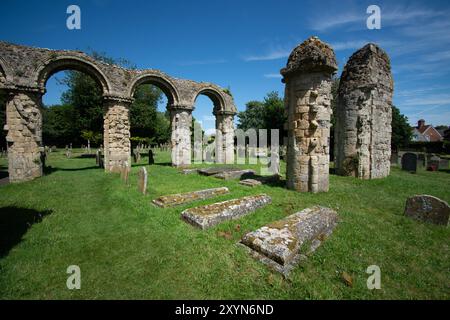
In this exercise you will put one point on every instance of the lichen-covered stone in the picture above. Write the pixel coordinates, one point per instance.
(183, 198)
(428, 209)
(364, 115)
(234, 174)
(250, 182)
(308, 107)
(282, 244)
(210, 215)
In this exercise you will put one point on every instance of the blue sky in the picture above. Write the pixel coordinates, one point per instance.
(243, 44)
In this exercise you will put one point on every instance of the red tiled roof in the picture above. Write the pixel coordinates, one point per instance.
(423, 128)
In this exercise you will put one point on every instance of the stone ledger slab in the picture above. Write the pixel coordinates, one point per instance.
(234, 174)
(182, 198)
(216, 170)
(250, 182)
(428, 209)
(284, 243)
(210, 215)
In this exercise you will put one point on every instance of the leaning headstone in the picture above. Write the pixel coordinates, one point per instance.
(210, 215)
(183, 198)
(283, 244)
(142, 180)
(428, 209)
(409, 162)
(151, 160)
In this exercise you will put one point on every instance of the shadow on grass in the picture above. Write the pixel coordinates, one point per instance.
(272, 181)
(444, 170)
(14, 223)
(49, 169)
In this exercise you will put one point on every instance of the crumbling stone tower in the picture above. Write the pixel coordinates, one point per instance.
(308, 106)
(364, 115)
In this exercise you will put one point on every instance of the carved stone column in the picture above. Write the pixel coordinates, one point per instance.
(308, 105)
(116, 133)
(224, 137)
(24, 137)
(364, 115)
(181, 123)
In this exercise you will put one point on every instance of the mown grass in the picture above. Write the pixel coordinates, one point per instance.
(129, 249)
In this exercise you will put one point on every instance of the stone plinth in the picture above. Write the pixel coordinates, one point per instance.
(284, 243)
(183, 198)
(210, 215)
(364, 115)
(308, 106)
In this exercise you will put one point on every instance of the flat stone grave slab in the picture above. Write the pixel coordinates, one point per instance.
(285, 243)
(216, 170)
(250, 182)
(210, 215)
(189, 171)
(428, 209)
(182, 198)
(227, 175)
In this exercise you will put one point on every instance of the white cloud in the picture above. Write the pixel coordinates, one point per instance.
(273, 75)
(272, 55)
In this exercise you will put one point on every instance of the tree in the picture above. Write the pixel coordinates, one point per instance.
(268, 114)
(401, 131)
(58, 125)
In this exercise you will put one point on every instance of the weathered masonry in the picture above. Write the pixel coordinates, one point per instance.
(308, 76)
(364, 115)
(24, 72)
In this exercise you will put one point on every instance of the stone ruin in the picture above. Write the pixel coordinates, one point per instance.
(308, 78)
(25, 70)
(364, 115)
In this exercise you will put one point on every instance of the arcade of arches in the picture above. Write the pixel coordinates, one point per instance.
(24, 72)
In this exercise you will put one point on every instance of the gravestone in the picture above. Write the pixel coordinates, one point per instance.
(125, 172)
(284, 243)
(210, 215)
(421, 160)
(428, 209)
(409, 162)
(142, 180)
(151, 160)
(443, 164)
(97, 157)
(250, 182)
(433, 163)
(183, 198)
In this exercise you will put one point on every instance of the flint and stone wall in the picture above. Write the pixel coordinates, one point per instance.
(308, 107)
(224, 144)
(116, 134)
(364, 115)
(24, 135)
(181, 123)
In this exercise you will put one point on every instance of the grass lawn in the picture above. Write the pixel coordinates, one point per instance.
(127, 248)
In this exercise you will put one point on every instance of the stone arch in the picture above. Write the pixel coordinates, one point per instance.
(216, 97)
(71, 62)
(162, 82)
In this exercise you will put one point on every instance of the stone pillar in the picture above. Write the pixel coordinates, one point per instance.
(364, 115)
(308, 105)
(116, 133)
(224, 130)
(181, 123)
(24, 137)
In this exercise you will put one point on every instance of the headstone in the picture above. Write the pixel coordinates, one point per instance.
(428, 209)
(183, 198)
(142, 180)
(210, 215)
(151, 160)
(409, 162)
(443, 164)
(283, 244)
(421, 160)
(433, 163)
(125, 172)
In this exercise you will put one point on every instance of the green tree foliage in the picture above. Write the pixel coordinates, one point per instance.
(82, 110)
(267, 114)
(401, 131)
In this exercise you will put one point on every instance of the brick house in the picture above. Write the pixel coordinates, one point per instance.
(425, 132)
